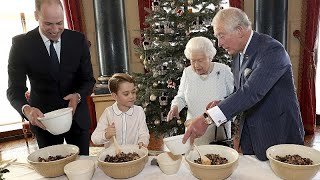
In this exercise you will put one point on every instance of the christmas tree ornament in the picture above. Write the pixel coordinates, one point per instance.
(156, 5)
(155, 84)
(145, 62)
(145, 104)
(157, 122)
(153, 97)
(179, 121)
(163, 99)
(179, 11)
(190, 2)
(171, 84)
(146, 43)
(155, 74)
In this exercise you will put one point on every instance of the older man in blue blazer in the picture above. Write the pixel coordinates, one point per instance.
(265, 94)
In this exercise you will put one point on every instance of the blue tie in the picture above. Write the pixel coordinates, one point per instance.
(241, 59)
(54, 58)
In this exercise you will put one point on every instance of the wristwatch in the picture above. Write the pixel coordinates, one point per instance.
(207, 119)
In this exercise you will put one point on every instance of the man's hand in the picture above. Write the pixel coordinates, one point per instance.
(32, 114)
(173, 113)
(212, 104)
(73, 101)
(195, 129)
(110, 131)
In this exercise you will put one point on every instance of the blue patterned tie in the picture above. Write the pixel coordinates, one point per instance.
(241, 59)
(54, 58)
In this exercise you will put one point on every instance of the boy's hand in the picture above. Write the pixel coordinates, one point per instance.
(110, 131)
(141, 144)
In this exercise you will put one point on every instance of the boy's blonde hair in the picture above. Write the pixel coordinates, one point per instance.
(118, 78)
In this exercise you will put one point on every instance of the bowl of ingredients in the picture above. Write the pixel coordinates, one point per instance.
(224, 161)
(50, 161)
(130, 162)
(292, 161)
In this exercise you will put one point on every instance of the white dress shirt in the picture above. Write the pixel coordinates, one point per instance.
(131, 126)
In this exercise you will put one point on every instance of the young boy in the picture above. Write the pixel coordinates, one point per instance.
(124, 120)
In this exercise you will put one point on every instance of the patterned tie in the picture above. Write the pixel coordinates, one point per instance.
(54, 58)
(241, 59)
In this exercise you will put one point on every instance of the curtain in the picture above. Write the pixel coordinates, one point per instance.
(142, 12)
(307, 65)
(236, 3)
(73, 10)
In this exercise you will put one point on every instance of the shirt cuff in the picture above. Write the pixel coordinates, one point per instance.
(217, 116)
(23, 108)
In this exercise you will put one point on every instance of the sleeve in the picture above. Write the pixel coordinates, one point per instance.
(229, 81)
(17, 70)
(179, 99)
(144, 135)
(98, 135)
(85, 71)
(270, 66)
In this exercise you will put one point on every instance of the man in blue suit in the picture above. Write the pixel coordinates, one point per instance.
(265, 94)
(58, 66)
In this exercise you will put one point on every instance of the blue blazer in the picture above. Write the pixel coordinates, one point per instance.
(266, 95)
(29, 57)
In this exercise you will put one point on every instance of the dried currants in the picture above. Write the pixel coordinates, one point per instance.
(215, 159)
(53, 158)
(294, 159)
(122, 157)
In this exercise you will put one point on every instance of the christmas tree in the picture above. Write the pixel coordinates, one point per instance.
(170, 24)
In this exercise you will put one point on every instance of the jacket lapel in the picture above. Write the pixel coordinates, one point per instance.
(248, 57)
(44, 54)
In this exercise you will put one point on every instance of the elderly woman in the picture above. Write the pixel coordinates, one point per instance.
(201, 83)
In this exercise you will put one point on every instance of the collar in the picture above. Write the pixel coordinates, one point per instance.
(45, 39)
(118, 112)
(205, 76)
(248, 42)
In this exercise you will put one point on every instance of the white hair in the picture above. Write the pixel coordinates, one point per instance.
(231, 18)
(200, 44)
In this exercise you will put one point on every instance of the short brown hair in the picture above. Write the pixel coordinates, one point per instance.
(38, 3)
(117, 79)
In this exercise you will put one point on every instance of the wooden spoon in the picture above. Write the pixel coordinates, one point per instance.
(116, 146)
(204, 159)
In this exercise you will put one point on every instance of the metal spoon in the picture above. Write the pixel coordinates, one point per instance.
(204, 159)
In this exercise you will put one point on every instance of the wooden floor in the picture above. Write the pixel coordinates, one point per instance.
(18, 148)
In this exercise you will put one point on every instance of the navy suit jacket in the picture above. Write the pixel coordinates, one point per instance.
(266, 95)
(29, 57)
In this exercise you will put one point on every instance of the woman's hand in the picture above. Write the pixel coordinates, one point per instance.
(110, 131)
(173, 113)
